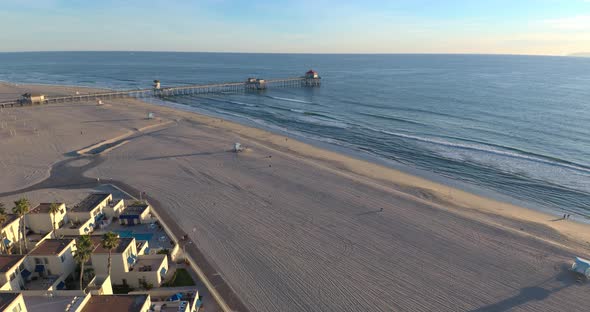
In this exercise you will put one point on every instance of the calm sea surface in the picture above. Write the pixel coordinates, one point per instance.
(516, 126)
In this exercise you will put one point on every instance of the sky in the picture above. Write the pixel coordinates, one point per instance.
(546, 27)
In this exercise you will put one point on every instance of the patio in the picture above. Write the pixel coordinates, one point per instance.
(41, 283)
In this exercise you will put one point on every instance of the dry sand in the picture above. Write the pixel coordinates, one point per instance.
(296, 228)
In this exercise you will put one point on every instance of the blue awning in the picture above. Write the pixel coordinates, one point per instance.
(25, 273)
(39, 268)
(175, 297)
(163, 271)
(147, 251)
(7, 242)
(61, 285)
(199, 303)
(130, 260)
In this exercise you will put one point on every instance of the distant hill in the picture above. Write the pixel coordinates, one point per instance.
(583, 54)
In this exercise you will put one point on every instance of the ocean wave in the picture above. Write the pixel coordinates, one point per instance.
(309, 119)
(242, 103)
(493, 149)
(288, 99)
(222, 100)
(393, 118)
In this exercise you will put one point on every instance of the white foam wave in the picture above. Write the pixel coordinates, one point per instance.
(483, 148)
(290, 100)
(242, 103)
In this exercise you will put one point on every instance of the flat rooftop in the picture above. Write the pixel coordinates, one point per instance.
(149, 264)
(51, 247)
(135, 209)
(45, 304)
(90, 202)
(9, 261)
(6, 299)
(115, 303)
(43, 208)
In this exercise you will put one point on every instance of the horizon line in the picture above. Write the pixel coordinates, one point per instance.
(577, 54)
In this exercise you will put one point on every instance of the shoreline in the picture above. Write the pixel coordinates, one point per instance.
(381, 161)
(445, 194)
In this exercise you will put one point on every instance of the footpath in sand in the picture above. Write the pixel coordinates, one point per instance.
(294, 228)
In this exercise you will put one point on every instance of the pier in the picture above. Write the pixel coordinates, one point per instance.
(310, 79)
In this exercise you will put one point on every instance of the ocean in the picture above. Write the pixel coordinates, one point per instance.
(512, 127)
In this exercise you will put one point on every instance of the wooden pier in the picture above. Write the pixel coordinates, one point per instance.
(311, 79)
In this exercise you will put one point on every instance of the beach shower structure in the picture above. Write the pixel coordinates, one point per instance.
(310, 79)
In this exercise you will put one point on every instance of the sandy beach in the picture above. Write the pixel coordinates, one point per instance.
(292, 227)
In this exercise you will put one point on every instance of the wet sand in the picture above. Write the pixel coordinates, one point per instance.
(292, 227)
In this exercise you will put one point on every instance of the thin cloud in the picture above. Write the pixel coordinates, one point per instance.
(574, 23)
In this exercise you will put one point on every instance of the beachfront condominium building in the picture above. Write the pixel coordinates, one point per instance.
(114, 208)
(76, 228)
(12, 302)
(136, 213)
(53, 257)
(16, 302)
(127, 265)
(11, 267)
(10, 234)
(127, 303)
(40, 220)
(90, 207)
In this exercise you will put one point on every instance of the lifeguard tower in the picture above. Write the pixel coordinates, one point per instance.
(312, 79)
(581, 266)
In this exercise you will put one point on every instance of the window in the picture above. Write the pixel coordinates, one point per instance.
(17, 308)
(63, 258)
(37, 261)
(46, 260)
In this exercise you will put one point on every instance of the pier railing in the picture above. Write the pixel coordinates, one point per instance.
(227, 87)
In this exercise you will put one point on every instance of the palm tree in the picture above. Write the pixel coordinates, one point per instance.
(110, 241)
(83, 251)
(21, 208)
(53, 210)
(3, 218)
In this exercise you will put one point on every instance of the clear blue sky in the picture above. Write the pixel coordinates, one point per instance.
(323, 26)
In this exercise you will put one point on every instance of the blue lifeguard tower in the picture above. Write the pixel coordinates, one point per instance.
(581, 266)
